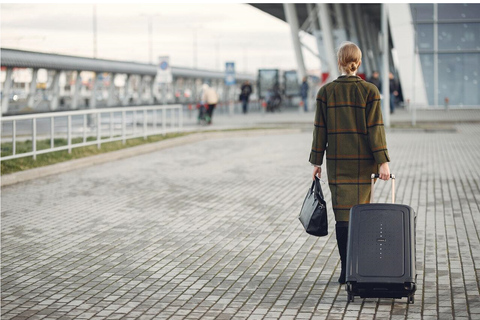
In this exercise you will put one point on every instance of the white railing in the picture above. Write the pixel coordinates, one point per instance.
(122, 124)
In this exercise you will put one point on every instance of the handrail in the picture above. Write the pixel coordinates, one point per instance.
(140, 114)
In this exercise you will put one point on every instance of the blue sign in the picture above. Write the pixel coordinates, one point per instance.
(230, 73)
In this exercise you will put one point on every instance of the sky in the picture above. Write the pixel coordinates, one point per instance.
(223, 32)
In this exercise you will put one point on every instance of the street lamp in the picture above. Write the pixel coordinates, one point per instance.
(150, 34)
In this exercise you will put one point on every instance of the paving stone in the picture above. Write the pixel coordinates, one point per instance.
(210, 230)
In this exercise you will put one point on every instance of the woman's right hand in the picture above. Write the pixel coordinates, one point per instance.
(384, 171)
(317, 171)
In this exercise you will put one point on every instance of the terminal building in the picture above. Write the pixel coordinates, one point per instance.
(434, 49)
(433, 52)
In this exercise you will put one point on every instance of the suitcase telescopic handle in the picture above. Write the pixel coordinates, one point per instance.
(375, 176)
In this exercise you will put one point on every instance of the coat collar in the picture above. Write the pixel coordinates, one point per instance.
(348, 79)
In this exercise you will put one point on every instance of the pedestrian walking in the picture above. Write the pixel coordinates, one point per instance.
(304, 93)
(349, 117)
(209, 97)
(246, 91)
(394, 88)
(375, 79)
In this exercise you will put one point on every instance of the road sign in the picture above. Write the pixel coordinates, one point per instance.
(229, 73)
(164, 71)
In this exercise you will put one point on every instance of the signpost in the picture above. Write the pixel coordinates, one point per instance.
(164, 75)
(229, 82)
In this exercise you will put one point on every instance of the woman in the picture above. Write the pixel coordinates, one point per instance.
(349, 126)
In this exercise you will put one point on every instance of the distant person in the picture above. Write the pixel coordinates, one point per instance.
(304, 93)
(375, 79)
(246, 91)
(209, 97)
(394, 88)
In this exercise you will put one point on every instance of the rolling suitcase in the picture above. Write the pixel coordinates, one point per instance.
(381, 250)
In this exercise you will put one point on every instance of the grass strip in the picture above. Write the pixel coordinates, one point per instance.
(25, 163)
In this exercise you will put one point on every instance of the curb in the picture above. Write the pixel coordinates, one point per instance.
(66, 166)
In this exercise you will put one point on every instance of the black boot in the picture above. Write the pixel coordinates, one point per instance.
(341, 229)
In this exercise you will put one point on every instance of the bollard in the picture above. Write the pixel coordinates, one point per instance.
(447, 100)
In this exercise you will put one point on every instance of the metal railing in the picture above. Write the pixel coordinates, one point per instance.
(88, 126)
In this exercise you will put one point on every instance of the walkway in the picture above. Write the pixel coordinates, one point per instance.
(210, 231)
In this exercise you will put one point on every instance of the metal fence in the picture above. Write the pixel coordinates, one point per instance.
(89, 127)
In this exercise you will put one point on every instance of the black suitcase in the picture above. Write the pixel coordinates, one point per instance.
(381, 250)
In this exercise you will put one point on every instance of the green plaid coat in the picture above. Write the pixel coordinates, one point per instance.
(349, 126)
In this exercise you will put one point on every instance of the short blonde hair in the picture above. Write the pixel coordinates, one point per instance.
(349, 56)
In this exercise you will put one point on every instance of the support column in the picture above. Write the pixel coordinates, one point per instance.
(352, 29)
(111, 90)
(339, 15)
(329, 45)
(369, 37)
(93, 93)
(76, 94)
(33, 88)
(363, 40)
(7, 86)
(291, 15)
(127, 90)
(385, 69)
(140, 90)
(152, 90)
(55, 90)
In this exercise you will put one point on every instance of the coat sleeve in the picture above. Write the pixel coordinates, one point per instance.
(376, 130)
(319, 144)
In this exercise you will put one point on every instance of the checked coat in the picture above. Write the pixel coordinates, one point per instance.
(349, 127)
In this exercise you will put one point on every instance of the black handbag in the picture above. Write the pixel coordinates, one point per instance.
(313, 215)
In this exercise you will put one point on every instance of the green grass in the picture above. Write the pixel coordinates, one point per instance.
(25, 163)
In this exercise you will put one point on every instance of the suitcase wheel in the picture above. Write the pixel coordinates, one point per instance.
(351, 298)
(411, 300)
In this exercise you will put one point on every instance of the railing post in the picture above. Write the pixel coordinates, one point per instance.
(99, 129)
(14, 139)
(180, 118)
(69, 134)
(134, 122)
(52, 132)
(111, 125)
(145, 124)
(84, 128)
(164, 121)
(34, 138)
(124, 127)
(154, 125)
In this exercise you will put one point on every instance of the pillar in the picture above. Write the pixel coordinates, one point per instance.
(33, 88)
(291, 15)
(55, 90)
(140, 89)
(93, 93)
(7, 86)
(111, 90)
(127, 90)
(363, 40)
(385, 69)
(76, 94)
(326, 25)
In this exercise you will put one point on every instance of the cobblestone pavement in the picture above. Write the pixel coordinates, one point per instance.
(210, 231)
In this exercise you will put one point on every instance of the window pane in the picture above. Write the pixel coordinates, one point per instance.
(459, 36)
(426, 61)
(425, 36)
(422, 11)
(447, 11)
(458, 78)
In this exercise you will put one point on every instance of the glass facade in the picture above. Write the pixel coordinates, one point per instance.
(456, 49)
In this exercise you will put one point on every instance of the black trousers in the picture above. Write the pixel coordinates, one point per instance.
(211, 107)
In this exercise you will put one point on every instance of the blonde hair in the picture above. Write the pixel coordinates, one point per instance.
(349, 57)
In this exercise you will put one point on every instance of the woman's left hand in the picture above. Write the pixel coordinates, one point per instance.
(317, 171)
